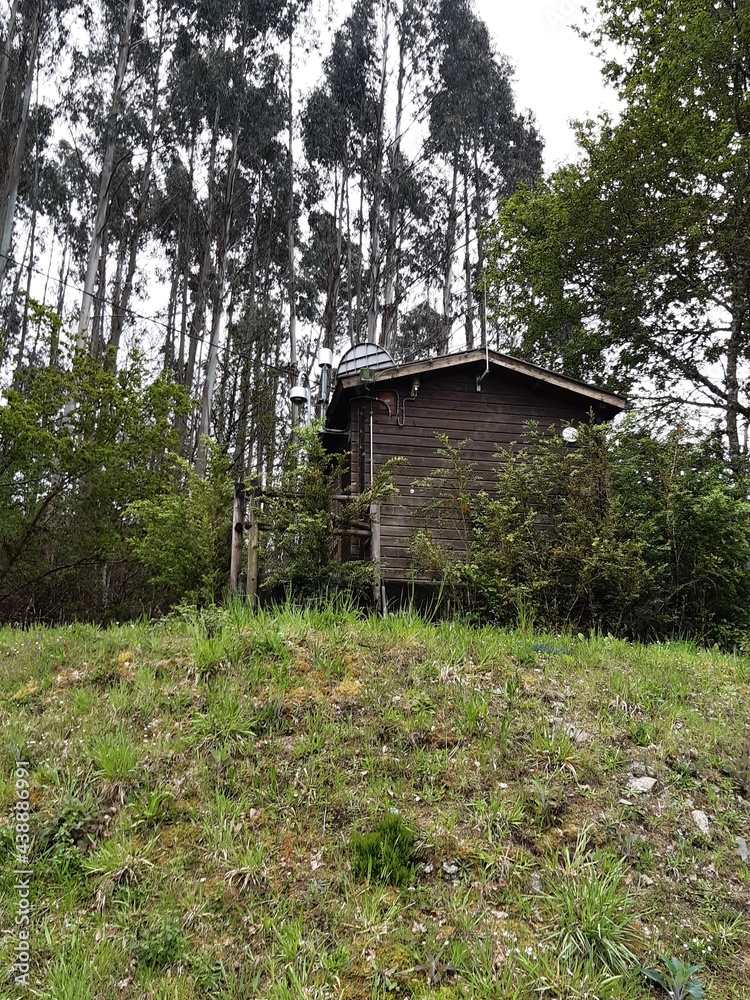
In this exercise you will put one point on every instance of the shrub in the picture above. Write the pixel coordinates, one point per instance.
(162, 945)
(386, 854)
(299, 555)
(623, 533)
(66, 480)
(182, 536)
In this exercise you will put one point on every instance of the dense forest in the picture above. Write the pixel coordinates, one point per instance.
(177, 188)
(196, 197)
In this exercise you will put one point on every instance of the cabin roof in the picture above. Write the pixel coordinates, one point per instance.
(350, 384)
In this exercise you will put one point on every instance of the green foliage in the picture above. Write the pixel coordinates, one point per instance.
(623, 532)
(679, 981)
(593, 914)
(386, 854)
(630, 263)
(76, 448)
(305, 523)
(182, 535)
(161, 945)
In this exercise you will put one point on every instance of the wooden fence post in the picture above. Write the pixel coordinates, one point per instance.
(238, 525)
(252, 553)
(375, 554)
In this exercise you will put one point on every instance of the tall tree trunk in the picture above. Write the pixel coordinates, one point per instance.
(358, 313)
(349, 308)
(739, 311)
(468, 277)
(9, 188)
(222, 249)
(291, 223)
(388, 331)
(450, 242)
(334, 268)
(480, 249)
(169, 339)
(30, 270)
(198, 320)
(95, 343)
(62, 284)
(5, 58)
(374, 281)
(183, 245)
(122, 302)
(104, 192)
(241, 460)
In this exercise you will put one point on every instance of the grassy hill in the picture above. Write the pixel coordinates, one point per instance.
(202, 790)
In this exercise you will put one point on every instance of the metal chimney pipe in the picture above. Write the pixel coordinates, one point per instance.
(325, 363)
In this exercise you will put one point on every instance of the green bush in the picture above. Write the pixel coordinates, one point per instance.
(182, 536)
(623, 533)
(162, 945)
(299, 554)
(386, 854)
(77, 446)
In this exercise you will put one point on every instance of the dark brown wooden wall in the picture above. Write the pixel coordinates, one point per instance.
(446, 402)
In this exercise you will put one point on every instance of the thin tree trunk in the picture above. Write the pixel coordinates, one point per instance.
(30, 270)
(480, 251)
(450, 240)
(198, 320)
(122, 247)
(171, 317)
(95, 342)
(388, 332)
(62, 285)
(5, 59)
(349, 309)
(241, 460)
(141, 215)
(9, 194)
(104, 192)
(469, 318)
(218, 307)
(372, 307)
(291, 222)
(186, 236)
(358, 316)
(739, 311)
(334, 269)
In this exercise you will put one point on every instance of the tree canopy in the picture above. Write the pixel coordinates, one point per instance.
(633, 264)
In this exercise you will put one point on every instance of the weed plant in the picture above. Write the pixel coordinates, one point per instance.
(386, 854)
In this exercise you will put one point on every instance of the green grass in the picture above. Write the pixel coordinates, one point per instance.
(206, 794)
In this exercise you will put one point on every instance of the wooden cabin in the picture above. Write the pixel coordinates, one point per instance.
(379, 411)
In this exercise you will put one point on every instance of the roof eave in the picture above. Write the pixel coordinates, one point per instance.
(504, 361)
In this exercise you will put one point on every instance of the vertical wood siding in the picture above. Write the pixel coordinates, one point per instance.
(446, 402)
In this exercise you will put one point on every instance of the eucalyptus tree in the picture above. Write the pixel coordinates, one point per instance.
(486, 145)
(18, 67)
(226, 100)
(121, 27)
(31, 38)
(634, 262)
(341, 132)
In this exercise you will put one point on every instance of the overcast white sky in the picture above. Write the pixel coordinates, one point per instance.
(557, 75)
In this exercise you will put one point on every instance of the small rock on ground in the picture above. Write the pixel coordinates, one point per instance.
(701, 821)
(642, 785)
